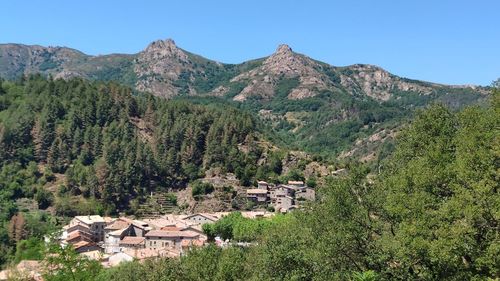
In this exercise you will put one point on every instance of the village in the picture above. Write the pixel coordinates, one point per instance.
(112, 241)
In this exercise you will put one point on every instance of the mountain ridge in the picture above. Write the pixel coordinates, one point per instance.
(166, 70)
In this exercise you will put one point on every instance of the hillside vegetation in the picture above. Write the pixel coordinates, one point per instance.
(432, 213)
(337, 112)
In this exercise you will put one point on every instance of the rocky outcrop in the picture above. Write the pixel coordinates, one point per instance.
(284, 63)
(377, 83)
(158, 66)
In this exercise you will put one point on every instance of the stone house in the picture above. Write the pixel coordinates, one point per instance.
(257, 195)
(158, 239)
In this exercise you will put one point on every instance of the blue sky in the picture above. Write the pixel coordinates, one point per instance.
(444, 41)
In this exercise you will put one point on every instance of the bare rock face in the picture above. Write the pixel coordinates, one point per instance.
(377, 83)
(284, 63)
(158, 66)
(23, 59)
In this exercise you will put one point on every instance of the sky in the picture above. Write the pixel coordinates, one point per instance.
(443, 41)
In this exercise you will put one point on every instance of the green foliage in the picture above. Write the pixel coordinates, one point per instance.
(65, 264)
(441, 193)
(30, 249)
(369, 275)
(236, 227)
(201, 188)
(113, 146)
(285, 85)
(432, 214)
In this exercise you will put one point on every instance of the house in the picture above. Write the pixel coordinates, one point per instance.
(200, 218)
(278, 192)
(140, 228)
(94, 225)
(79, 236)
(158, 239)
(257, 195)
(131, 242)
(112, 240)
(117, 224)
(306, 194)
(283, 204)
(262, 185)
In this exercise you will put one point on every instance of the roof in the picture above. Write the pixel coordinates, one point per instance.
(132, 240)
(75, 234)
(296, 182)
(207, 216)
(256, 191)
(118, 232)
(90, 219)
(118, 224)
(171, 228)
(83, 244)
(172, 234)
(262, 182)
(160, 222)
(140, 223)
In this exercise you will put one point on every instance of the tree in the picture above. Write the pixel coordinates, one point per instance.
(441, 190)
(63, 264)
(17, 229)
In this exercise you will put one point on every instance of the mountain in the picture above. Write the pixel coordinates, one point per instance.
(166, 70)
(312, 105)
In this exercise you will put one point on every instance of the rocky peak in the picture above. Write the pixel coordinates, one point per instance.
(159, 65)
(165, 49)
(283, 49)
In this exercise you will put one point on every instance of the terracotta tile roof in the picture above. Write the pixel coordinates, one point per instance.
(83, 244)
(132, 240)
(78, 234)
(117, 224)
(171, 228)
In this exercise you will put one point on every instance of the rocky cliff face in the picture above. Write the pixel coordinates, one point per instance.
(284, 63)
(159, 66)
(16, 59)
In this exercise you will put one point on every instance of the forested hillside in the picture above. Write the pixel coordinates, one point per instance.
(114, 146)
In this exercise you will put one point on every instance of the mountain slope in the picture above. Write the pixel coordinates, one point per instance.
(311, 104)
(166, 70)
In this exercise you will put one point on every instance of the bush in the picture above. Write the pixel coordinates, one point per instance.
(200, 188)
(44, 198)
